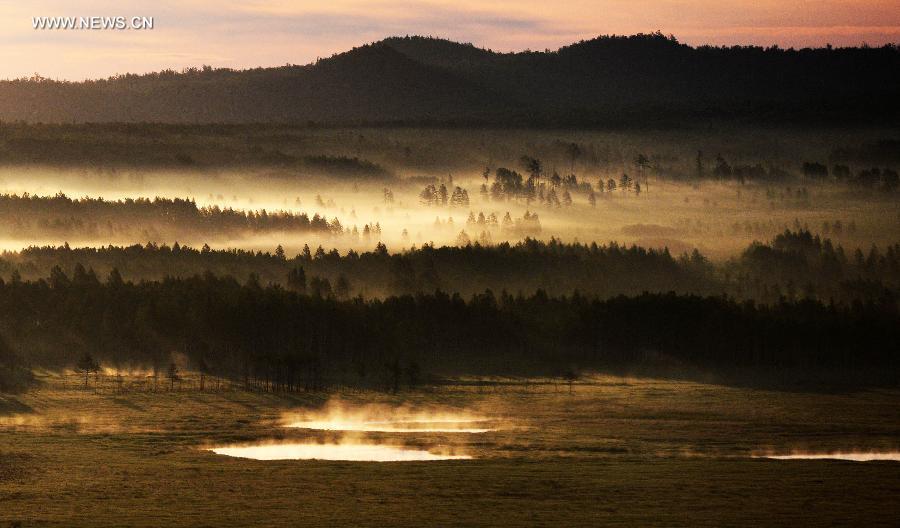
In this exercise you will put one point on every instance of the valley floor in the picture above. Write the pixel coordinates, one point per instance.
(613, 451)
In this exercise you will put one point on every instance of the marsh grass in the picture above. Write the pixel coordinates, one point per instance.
(614, 450)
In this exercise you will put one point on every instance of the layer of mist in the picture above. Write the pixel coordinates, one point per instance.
(852, 456)
(337, 415)
(353, 452)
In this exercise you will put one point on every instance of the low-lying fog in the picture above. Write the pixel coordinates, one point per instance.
(337, 415)
(359, 452)
(852, 456)
(718, 218)
(353, 421)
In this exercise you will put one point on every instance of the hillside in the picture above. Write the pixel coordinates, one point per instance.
(643, 79)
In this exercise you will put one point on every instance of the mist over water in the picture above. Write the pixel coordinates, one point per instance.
(354, 452)
(338, 415)
(391, 427)
(352, 423)
(893, 456)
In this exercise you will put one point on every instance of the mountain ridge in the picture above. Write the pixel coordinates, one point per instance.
(639, 79)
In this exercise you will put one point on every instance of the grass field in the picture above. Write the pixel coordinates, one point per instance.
(613, 451)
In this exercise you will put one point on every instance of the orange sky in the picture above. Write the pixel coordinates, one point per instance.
(265, 33)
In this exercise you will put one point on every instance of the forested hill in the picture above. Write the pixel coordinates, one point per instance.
(637, 80)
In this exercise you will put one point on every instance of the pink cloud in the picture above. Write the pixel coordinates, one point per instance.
(253, 33)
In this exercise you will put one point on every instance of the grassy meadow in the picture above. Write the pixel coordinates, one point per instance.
(607, 451)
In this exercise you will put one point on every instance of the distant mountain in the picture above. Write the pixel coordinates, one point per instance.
(642, 79)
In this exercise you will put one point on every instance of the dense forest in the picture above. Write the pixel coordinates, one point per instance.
(29, 216)
(794, 265)
(611, 80)
(278, 339)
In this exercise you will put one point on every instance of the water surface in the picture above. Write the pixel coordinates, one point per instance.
(348, 452)
(855, 457)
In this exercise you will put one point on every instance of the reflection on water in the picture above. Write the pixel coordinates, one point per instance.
(855, 457)
(349, 452)
(396, 426)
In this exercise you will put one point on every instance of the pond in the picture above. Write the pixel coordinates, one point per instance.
(852, 456)
(356, 452)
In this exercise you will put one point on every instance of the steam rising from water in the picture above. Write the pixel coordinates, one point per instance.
(350, 420)
(855, 457)
(349, 452)
(341, 416)
(399, 426)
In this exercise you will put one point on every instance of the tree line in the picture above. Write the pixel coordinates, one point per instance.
(273, 338)
(31, 216)
(794, 265)
(557, 267)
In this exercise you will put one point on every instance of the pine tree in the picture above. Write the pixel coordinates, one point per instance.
(296, 280)
(87, 365)
(172, 374)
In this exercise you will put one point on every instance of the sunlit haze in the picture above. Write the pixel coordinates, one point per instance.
(340, 416)
(449, 263)
(244, 34)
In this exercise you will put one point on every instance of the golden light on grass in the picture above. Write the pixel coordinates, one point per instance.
(79, 423)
